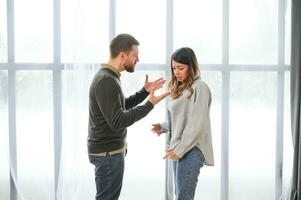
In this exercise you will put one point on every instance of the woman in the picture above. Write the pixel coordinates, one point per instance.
(190, 145)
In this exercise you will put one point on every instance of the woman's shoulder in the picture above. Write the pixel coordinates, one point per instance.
(202, 88)
(200, 84)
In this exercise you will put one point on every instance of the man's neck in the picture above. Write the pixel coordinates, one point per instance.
(116, 64)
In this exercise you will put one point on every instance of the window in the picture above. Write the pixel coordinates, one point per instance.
(33, 31)
(3, 33)
(4, 139)
(146, 21)
(35, 152)
(144, 163)
(198, 24)
(253, 32)
(237, 44)
(85, 31)
(252, 139)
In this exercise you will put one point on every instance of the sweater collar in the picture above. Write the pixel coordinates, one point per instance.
(106, 66)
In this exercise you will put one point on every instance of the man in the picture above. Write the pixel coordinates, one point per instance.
(110, 113)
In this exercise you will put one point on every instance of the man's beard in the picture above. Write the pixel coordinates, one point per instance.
(129, 68)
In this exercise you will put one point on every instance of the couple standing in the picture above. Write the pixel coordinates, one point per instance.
(110, 113)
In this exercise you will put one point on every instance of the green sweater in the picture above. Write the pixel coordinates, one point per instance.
(110, 113)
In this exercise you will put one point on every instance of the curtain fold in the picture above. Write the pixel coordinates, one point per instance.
(76, 178)
(295, 193)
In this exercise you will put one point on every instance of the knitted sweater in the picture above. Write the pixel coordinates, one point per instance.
(189, 122)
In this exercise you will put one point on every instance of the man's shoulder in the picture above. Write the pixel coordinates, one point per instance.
(105, 80)
(104, 75)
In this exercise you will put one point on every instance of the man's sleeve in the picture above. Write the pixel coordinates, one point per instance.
(108, 97)
(135, 99)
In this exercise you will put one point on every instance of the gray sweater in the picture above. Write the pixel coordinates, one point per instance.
(110, 113)
(189, 122)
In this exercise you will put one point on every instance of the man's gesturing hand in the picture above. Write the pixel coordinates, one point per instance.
(156, 99)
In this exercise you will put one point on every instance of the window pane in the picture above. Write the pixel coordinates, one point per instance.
(3, 33)
(288, 152)
(145, 20)
(253, 31)
(4, 166)
(85, 31)
(76, 171)
(209, 179)
(35, 134)
(34, 30)
(288, 21)
(198, 24)
(144, 163)
(252, 136)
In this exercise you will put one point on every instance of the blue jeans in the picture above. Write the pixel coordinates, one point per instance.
(108, 175)
(186, 172)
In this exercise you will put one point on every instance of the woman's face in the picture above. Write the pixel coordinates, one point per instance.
(181, 71)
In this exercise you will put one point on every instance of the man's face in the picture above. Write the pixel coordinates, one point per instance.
(131, 59)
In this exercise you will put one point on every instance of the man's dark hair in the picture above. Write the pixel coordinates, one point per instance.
(122, 43)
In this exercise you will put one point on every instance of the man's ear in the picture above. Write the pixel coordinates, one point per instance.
(122, 55)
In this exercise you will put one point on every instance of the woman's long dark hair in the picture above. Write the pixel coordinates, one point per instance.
(186, 56)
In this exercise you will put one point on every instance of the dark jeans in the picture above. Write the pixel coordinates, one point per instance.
(186, 172)
(108, 175)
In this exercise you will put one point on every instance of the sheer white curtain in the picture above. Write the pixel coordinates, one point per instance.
(76, 180)
(85, 30)
(76, 176)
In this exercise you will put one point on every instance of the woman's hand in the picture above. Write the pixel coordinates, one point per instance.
(172, 155)
(156, 129)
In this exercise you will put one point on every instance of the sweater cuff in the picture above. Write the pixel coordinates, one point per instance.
(144, 91)
(179, 151)
(164, 127)
(149, 105)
